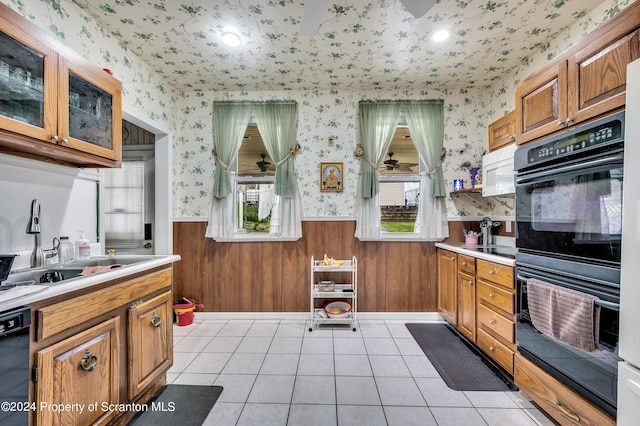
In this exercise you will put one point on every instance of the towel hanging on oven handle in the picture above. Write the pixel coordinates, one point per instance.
(605, 304)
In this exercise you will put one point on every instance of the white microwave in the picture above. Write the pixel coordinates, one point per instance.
(498, 173)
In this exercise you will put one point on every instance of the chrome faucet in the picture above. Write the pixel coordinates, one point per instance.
(38, 255)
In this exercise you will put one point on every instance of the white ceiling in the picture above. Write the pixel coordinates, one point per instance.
(361, 45)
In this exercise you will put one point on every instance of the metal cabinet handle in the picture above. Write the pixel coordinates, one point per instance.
(89, 361)
(65, 140)
(470, 282)
(492, 272)
(492, 348)
(512, 137)
(156, 321)
(54, 138)
(560, 123)
(464, 263)
(492, 321)
(492, 296)
(568, 121)
(573, 416)
(453, 258)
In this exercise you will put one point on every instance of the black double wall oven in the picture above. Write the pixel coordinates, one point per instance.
(569, 231)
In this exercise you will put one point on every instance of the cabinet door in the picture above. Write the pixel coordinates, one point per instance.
(79, 371)
(541, 102)
(90, 108)
(598, 75)
(28, 83)
(447, 291)
(502, 131)
(150, 341)
(467, 305)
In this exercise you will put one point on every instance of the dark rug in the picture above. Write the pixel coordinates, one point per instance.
(461, 365)
(184, 405)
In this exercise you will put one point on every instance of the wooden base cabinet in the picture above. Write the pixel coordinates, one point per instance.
(496, 297)
(150, 341)
(77, 373)
(562, 403)
(467, 295)
(107, 346)
(447, 286)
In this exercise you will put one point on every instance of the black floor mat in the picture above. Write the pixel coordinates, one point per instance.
(460, 365)
(183, 405)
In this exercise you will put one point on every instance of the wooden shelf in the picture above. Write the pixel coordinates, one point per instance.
(467, 191)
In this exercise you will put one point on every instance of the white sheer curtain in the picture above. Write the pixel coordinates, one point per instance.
(378, 122)
(230, 120)
(277, 122)
(426, 125)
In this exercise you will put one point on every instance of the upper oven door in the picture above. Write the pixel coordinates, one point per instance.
(572, 210)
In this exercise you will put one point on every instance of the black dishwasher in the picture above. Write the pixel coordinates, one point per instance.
(14, 366)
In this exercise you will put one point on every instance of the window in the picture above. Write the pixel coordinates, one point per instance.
(254, 184)
(399, 183)
(124, 202)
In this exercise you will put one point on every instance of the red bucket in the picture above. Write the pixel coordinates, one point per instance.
(185, 318)
(184, 311)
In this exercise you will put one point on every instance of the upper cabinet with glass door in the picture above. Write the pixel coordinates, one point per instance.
(55, 105)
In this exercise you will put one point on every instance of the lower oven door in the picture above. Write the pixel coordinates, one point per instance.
(593, 374)
(572, 211)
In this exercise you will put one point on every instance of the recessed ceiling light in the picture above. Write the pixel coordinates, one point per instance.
(441, 35)
(231, 38)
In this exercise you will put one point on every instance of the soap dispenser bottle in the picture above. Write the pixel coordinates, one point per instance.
(83, 248)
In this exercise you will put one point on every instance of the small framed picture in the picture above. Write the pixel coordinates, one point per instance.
(331, 177)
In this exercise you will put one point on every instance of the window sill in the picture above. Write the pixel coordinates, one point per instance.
(252, 237)
(402, 236)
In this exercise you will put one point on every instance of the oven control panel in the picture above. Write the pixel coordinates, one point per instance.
(567, 145)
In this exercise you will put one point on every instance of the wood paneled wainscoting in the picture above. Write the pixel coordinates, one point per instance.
(274, 276)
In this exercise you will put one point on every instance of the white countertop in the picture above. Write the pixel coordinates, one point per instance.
(476, 251)
(16, 297)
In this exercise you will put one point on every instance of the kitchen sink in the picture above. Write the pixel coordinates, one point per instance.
(52, 274)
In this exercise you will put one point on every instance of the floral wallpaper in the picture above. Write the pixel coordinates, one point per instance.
(321, 114)
(327, 75)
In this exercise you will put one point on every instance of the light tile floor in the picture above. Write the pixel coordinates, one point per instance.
(276, 372)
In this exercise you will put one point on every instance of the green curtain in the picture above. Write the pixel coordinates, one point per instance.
(378, 121)
(425, 120)
(277, 121)
(230, 121)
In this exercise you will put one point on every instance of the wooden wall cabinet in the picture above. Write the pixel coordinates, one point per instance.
(54, 104)
(502, 132)
(448, 286)
(584, 82)
(111, 345)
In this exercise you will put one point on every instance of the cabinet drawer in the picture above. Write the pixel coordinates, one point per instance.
(467, 264)
(499, 274)
(560, 402)
(60, 316)
(495, 322)
(496, 297)
(499, 352)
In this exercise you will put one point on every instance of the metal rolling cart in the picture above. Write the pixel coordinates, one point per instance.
(326, 290)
